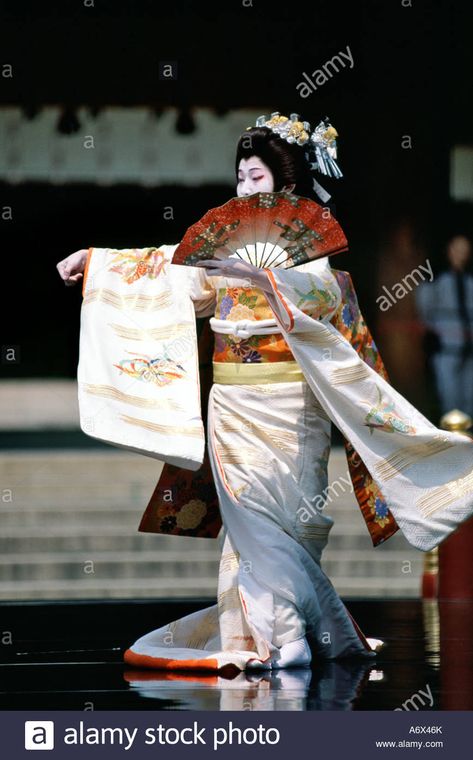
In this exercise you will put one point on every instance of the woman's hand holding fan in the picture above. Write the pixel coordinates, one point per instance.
(236, 268)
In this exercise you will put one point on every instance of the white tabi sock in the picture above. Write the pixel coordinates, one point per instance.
(293, 654)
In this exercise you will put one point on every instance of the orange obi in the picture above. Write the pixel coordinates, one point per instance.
(236, 304)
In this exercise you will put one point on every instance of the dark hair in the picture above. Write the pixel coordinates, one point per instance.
(286, 161)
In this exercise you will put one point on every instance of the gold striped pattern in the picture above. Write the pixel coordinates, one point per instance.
(247, 455)
(229, 561)
(286, 440)
(108, 391)
(263, 388)
(322, 338)
(155, 333)
(408, 455)
(350, 374)
(204, 631)
(191, 431)
(138, 302)
(228, 600)
(444, 496)
(234, 423)
(236, 373)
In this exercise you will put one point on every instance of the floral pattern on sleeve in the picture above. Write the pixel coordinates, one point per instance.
(316, 301)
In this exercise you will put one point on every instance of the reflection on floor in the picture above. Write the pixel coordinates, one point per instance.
(61, 655)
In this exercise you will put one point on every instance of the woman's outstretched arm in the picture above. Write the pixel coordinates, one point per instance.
(71, 269)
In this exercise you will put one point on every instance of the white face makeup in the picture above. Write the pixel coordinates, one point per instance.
(254, 177)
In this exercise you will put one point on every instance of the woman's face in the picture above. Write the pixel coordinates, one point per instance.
(254, 177)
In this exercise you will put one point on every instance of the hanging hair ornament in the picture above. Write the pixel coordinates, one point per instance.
(321, 144)
(324, 144)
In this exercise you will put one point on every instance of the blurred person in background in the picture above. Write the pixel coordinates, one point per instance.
(445, 307)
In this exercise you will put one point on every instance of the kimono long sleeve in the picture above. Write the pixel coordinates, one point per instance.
(138, 372)
(201, 289)
(424, 473)
(314, 292)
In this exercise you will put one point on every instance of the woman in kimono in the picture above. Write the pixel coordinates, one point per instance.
(269, 437)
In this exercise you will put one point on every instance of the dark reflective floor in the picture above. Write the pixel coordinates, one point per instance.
(69, 656)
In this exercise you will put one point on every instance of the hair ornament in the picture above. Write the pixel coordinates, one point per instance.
(291, 129)
(321, 144)
(324, 148)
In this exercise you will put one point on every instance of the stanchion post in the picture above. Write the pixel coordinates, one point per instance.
(455, 555)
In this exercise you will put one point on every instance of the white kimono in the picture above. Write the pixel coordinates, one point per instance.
(268, 445)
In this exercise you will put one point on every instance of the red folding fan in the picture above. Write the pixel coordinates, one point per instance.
(267, 229)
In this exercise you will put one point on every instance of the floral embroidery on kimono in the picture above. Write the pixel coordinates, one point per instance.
(138, 262)
(383, 417)
(319, 300)
(160, 370)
